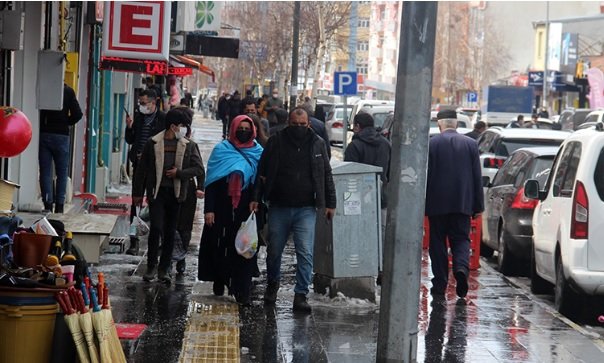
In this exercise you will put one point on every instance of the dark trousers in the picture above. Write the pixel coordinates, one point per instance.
(455, 227)
(163, 211)
(132, 206)
(225, 126)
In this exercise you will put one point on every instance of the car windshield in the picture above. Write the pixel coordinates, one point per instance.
(508, 146)
(379, 118)
(541, 168)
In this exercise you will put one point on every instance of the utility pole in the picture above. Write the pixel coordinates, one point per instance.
(399, 307)
(295, 45)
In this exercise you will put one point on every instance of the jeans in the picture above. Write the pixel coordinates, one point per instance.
(163, 211)
(300, 222)
(53, 147)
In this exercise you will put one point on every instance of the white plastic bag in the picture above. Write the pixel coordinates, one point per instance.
(246, 241)
(139, 225)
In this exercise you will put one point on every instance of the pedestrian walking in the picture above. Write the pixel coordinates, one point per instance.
(368, 146)
(479, 128)
(229, 183)
(223, 113)
(54, 147)
(262, 106)
(234, 107)
(272, 104)
(169, 160)
(294, 176)
(453, 196)
(282, 117)
(250, 107)
(148, 121)
(184, 227)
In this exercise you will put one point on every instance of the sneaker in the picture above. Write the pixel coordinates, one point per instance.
(300, 304)
(180, 279)
(462, 283)
(164, 276)
(150, 273)
(270, 294)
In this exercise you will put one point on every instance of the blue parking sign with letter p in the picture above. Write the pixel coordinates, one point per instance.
(472, 97)
(345, 84)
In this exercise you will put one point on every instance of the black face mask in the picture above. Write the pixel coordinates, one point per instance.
(297, 132)
(243, 135)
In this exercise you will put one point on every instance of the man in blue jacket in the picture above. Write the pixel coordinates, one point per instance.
(453, 196)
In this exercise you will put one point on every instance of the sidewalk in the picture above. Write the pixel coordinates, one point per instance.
(498, 322)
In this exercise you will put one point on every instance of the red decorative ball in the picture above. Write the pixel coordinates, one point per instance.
(15, 132)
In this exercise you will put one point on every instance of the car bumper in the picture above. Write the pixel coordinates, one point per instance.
(336, 135)
(586, 281)
(518, 232)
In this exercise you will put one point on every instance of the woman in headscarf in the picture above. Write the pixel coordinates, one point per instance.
(228, 187)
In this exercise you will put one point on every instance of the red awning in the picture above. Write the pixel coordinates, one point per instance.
(198, 61)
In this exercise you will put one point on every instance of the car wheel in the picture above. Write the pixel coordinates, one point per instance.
(504, 257)
(538, 284)
(564, 297)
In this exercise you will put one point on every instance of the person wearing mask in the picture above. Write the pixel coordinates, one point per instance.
(148, 121)
(454, 195)
(294, 177)
(186, 215)
(54, 147)
(479, 128)
(169, 160)
(229, 184)
(272, 105)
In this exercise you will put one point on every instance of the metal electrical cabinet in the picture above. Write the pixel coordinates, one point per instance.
(350, 245)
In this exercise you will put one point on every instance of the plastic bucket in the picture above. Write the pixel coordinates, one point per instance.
(27, 296)
(27, 332)
(30, 249)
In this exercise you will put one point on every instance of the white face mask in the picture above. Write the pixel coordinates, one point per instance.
(275, 95)
(183, 131)
(144, 109)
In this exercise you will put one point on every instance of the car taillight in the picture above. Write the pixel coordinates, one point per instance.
(580, 214)
(337, 125)
(522, 202)
(493, 163)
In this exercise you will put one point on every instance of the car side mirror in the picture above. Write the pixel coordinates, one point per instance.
(532, 191)
(486, 182)
(556, 126)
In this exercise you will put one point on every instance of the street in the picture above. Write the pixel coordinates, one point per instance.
(500, 321)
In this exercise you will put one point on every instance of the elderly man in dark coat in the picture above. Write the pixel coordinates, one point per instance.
(453, 196)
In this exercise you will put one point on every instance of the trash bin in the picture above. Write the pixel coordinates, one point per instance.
(27, 321)
(347, 251)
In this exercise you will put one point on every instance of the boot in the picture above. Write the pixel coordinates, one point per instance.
(150, 273)
(181, 266)
(47, 207)
(270, 295)
(218, 288)
(164, 276)
(300, 304)
(59, 208)
(133, 249)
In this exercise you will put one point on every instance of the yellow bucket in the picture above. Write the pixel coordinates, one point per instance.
(26, 333)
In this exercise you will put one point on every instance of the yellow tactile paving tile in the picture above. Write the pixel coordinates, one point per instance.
(212, 334)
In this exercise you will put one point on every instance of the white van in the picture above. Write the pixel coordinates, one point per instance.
(368, 104)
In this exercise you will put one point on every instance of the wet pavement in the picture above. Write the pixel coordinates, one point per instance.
(500, 321)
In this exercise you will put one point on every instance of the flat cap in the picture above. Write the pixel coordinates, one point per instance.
(446, 114)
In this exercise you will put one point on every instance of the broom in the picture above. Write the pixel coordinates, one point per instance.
(73, 324)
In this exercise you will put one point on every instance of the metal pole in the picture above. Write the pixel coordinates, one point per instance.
(295, 46)
(345, 126)
(544, 97)
(399, 307)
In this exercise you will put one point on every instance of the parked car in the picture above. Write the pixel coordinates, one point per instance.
(542, 123)
(507, 217)
(567, 224)
(365, 104)
(323, 110)
(335, 124)
(463, 124)
(496, 144)
(595, 116)
(571, 118)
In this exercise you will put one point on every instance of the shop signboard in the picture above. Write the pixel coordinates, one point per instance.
(569, 55)
(194, 16)
(554, 45)
(595, 78)
(137, 30)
